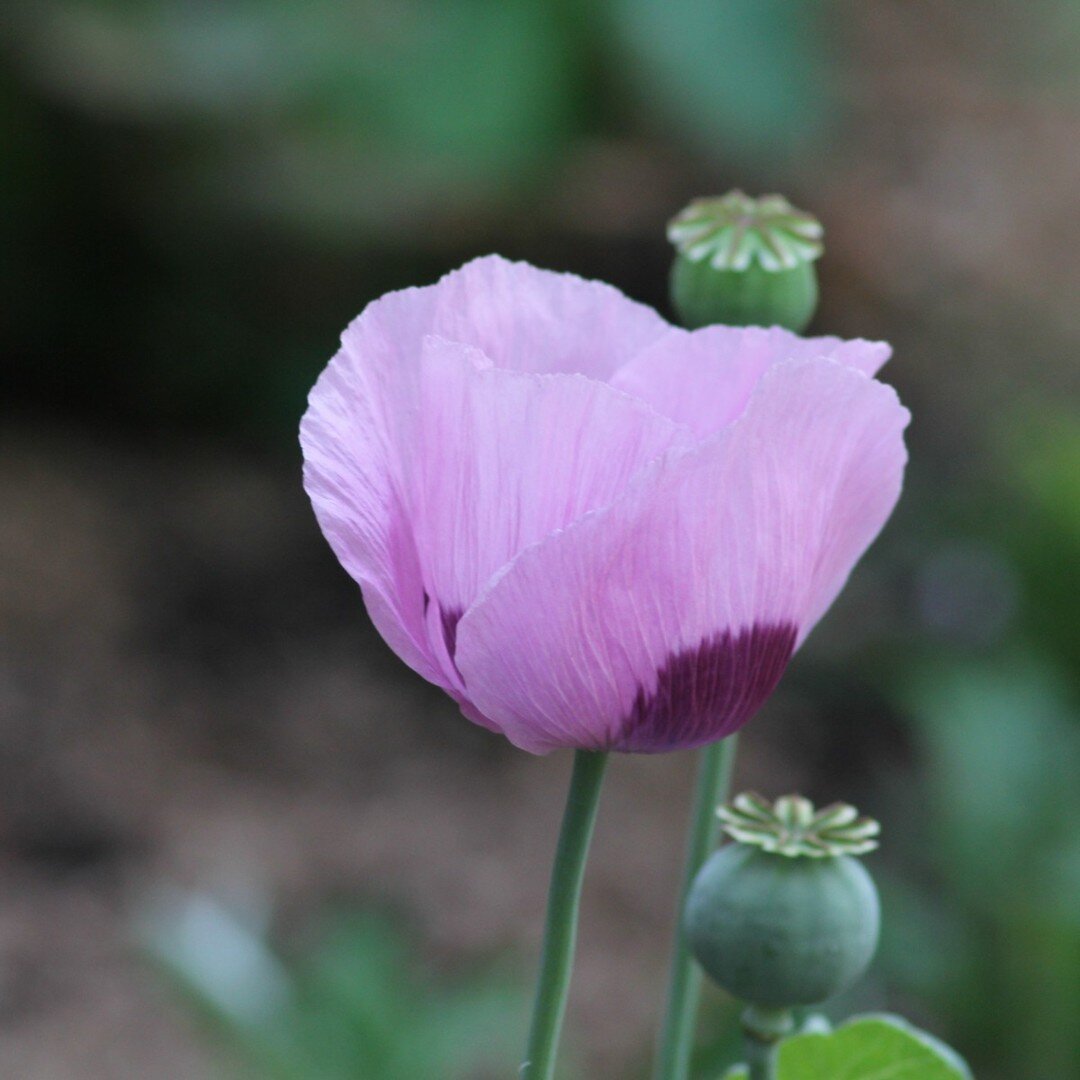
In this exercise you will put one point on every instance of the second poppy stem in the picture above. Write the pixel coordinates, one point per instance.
(684, 981)
(560, 931)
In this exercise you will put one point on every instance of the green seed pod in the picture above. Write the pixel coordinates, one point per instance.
(785, 916)
(745, 262)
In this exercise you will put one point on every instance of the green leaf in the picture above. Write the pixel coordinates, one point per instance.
(878, 1047)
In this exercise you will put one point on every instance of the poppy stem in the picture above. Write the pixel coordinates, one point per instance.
(560, 931)
(762, 1030)
(684, 980)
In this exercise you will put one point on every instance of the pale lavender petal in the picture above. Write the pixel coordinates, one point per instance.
(504, 458)
(520, 317)
(363, 428)
(427, 483)
(704, 378)
(352, 475)
(667, 618)
(528, 319)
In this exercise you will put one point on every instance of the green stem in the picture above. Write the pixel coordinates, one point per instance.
(762, 1030)
(560, 931)
(758, 1060)
(684, 981)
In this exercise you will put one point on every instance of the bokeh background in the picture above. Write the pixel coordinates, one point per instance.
(237, 836)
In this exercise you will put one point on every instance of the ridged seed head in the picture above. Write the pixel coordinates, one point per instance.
(793, 827)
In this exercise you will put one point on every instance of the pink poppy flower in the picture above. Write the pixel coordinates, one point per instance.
(591, 528)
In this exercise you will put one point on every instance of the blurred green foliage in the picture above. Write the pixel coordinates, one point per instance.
(745, 78)
(985, 929)
(1040, 461)
(352, 1005)
(391, 118)
(366, 116)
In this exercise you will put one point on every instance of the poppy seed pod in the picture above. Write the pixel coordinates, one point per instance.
(745, 262)
(786, 916)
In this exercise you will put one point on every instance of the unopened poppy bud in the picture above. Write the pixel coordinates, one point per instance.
(787, 915)
(745, 262)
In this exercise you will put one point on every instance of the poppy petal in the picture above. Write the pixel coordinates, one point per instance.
(666, 619)
(704, 378)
